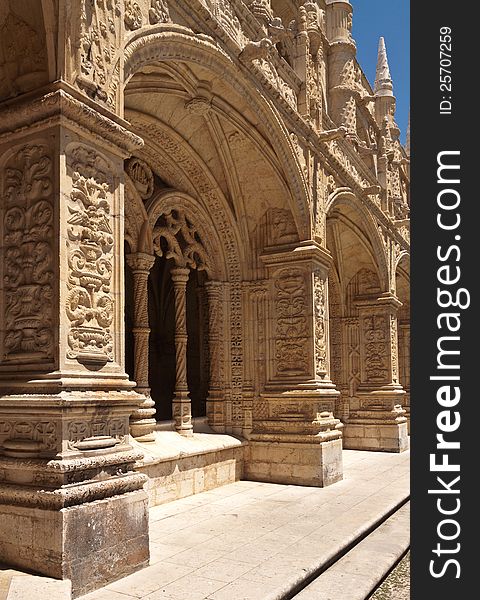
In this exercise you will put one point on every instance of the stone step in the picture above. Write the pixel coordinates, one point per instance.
(357, 574)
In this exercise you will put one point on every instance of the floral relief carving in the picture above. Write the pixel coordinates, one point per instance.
(28, 255)
(291, 323)
(89, 305)
(319, 298)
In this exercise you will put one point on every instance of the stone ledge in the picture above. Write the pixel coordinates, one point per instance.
(357, 574)
(178, 467)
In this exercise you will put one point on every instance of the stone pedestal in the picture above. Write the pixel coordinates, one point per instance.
(71, 504)
(295, 437)
(378, 421)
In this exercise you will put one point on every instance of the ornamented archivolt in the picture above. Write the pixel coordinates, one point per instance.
(89, 303)
(291, 330)
(28, 255)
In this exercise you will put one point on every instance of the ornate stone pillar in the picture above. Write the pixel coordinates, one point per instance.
(215, 413)
(379, 422)
(66, 463)
(295, 437)
(142, 423)
(182, 406)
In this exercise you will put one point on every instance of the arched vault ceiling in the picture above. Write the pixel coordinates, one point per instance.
(233, 150)
(195, 65)
(350, 248)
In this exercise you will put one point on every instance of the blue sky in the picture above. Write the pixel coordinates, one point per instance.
(390, 19)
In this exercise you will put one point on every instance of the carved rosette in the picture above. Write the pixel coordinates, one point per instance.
(28, 255)
(291, 330)
(90, 304)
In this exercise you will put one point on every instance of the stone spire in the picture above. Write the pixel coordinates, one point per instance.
(383, 79)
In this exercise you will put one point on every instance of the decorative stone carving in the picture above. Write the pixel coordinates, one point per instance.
(89, 304)
(182, 241)
(376, 349)
(320, 323)
(158, 12)
(100, 48)
(133, 15)
(28, 265)
(291, 332)
(142, 176)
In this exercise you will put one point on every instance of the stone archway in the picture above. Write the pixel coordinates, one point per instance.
(363, 325)
(181, 290)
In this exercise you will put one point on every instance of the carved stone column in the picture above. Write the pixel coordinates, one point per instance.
(142, 423)
(295, 437)
(215, 413)
(182, 406)
(66, 463)
(378, 423)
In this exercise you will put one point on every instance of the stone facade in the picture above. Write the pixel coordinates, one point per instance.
(204, 212)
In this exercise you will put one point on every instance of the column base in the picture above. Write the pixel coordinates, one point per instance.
(379, 424)
(142, 423)
(380, 437)
(308, 464)
(298, 441)
(91, 544)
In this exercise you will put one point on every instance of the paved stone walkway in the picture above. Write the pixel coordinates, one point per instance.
(256, 541)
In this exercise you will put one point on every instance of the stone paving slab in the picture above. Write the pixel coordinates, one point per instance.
(17, 585)
(258, 541)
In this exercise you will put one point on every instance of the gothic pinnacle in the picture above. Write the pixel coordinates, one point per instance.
(383, 79)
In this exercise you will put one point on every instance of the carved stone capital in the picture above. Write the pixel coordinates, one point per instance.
(140, 263)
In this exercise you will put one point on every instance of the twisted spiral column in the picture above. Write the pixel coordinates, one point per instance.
(142, 422)
(182, 406)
